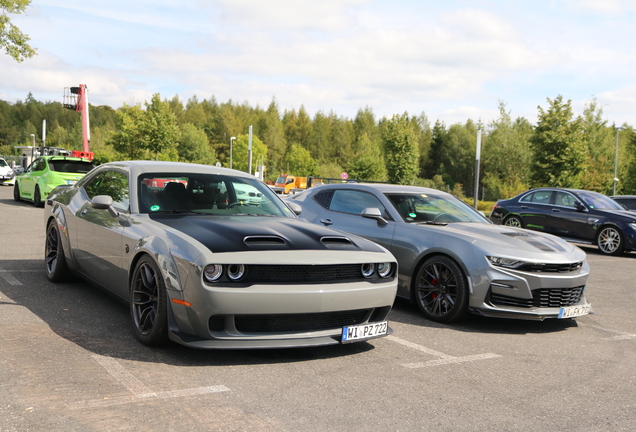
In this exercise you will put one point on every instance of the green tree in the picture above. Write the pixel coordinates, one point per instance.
(129, 139)
(368, 164)
(194, 146)
(557, 145)
(272, 133)
(299, 161)
(239, 152)
(15, 42)
(402, 150)
(159, 128)
(628, 184)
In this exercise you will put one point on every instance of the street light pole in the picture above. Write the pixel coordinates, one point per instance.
(616, 160)
(231, 139)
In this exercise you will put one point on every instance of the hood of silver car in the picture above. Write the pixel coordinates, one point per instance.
(248, 233)
(504, 238)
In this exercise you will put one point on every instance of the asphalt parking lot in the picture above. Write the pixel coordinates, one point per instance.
(69, 362)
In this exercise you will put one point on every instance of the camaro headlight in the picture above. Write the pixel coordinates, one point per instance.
(213, 272)
(505, 262)
(384, 270)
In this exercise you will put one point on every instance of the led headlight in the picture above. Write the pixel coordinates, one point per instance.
(235, 271)
(505, 262)
(367, 270)
(213, 272)
(384, 270)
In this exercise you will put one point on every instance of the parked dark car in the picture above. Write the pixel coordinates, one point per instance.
(572, 214)
(627, 201)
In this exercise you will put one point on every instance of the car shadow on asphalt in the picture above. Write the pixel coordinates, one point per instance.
(14, 203)
(405, 312)
(101, 324)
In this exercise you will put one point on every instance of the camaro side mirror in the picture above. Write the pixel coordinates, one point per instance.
(104, 202)
(373, 213)
(295, 208)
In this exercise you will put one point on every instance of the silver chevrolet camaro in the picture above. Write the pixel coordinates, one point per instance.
(212, 258)
(452, 260)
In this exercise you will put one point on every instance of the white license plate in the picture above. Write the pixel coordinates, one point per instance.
(364, 331)
(574, 311)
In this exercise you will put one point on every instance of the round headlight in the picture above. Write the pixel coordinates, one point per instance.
(384, 269)
(235, 271)
(367, 270)
(213, 272)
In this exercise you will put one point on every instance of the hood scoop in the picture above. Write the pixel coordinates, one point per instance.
(264, 241)
(336, 242)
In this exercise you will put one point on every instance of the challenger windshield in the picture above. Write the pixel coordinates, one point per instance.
(207, 193)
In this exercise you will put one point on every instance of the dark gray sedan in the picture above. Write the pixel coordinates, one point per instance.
(452, 260)
(212, 258)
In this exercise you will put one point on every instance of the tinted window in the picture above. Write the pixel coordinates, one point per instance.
(565, 199)
(540, 197)
(111, 183)
(629, 203)
(432, 208)
(324, 198)
(350, 201)
(599, 201)
(70, 166)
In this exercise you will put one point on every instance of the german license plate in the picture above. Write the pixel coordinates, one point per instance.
(574, 311)
(363, 331)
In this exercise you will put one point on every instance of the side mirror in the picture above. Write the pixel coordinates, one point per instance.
(579, 206)
(373, 213)
(104, 202)
(295, 208)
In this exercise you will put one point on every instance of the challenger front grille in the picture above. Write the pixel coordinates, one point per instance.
(301, 273)
(543, 298)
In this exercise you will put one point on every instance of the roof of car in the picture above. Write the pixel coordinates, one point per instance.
(382, 187)
(144, 166)
(623, 196)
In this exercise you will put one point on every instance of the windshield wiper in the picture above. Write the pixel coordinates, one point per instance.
(432, 223)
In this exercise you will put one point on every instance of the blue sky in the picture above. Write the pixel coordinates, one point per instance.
(452, 60)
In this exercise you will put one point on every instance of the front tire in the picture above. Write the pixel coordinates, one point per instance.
(441, 291)
(513, 221)
(610, 241)
(148, 303)
(37, 197)
(56, 268)
(16, 192)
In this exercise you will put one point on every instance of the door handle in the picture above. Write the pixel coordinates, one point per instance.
(556, 210)
(524, 207)
(326, 222)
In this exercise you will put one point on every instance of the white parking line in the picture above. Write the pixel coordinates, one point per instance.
(139, 389)
(443, 358)
(4, 274)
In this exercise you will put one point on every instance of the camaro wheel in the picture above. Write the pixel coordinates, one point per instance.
(56, 268)
(513, 221)
(148, 303)
(37, 198)
(610, 241)
(440, 290)
(16, 192)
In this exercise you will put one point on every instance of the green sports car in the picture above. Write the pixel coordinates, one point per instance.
(45, 174)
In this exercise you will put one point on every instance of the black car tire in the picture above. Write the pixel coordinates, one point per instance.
(440, 290)
(16, 192)
(56, 268)
(610, 241)
(37, 197)
(513, 221)
(148, 303)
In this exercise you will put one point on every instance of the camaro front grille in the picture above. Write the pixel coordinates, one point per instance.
(301, 273)
(306, 322)
(543, 298)
(551, 268)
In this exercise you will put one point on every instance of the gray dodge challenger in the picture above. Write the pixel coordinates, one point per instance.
(452, 260)
(212, 258)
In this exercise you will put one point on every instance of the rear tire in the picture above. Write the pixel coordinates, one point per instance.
(16, 192)
(513, 221)
(148, 303)
(37, 198)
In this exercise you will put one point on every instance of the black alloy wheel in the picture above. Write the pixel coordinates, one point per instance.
(56, 268)
(37, 198)
(610, 241)
(441, 293)
(148, 306)
(16, 191)
(513, 221)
